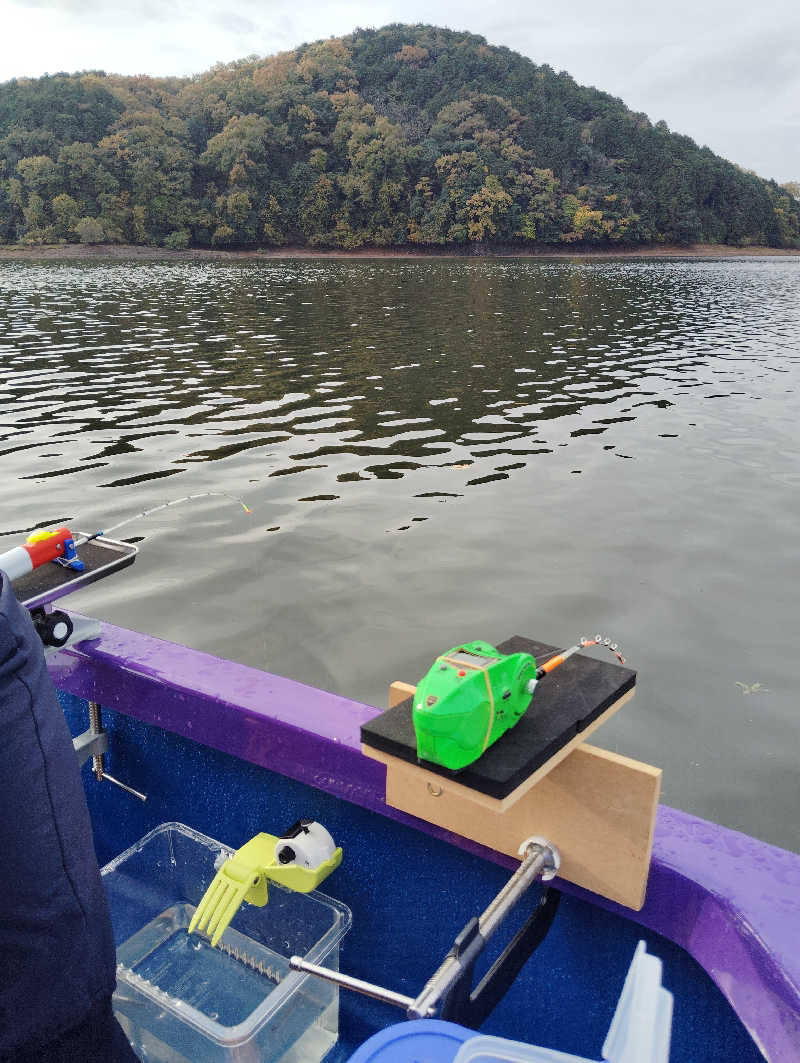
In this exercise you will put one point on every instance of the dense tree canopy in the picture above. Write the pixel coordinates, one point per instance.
(407, 135)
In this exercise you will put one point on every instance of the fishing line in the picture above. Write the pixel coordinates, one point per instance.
(157, 509)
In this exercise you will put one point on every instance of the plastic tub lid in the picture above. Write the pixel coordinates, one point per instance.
(482, 1049)
(424, 1040)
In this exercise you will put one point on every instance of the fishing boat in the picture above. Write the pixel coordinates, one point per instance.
(173, 736)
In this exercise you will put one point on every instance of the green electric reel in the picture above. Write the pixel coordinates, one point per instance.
(474, 693)
(470, 697)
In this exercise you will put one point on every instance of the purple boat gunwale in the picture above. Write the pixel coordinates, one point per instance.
(731, 901)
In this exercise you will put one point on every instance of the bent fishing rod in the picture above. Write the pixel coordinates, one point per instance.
(61, 545)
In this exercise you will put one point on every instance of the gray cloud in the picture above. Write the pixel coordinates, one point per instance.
(737, 94)
(726, 75)
(230, 22)
(134, 10)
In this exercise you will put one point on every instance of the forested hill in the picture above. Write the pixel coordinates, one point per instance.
(407, 135)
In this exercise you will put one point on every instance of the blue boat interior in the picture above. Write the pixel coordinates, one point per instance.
(410, 895)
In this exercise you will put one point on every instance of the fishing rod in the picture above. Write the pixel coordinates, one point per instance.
(61, 545)
(582, 644)
(157, 509)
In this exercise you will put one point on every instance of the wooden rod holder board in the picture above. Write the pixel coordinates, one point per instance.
(399, 692)
(597, 807)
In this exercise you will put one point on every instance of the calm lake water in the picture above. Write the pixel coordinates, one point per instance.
(438, 451)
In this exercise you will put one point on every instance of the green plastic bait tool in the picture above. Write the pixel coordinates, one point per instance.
(473, 694)
(299, 860)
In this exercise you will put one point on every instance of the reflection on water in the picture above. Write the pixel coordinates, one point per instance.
(431, 447)
(369, 371)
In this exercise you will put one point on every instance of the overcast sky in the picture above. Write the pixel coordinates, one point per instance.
(724, 72)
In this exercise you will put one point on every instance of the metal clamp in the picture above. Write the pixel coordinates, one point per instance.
(452, 983)
(450, 987)
(94, 743)
(81, 628)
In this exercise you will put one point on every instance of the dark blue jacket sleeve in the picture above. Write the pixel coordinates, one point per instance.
(57, 958)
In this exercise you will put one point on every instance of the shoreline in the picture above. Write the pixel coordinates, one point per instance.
(89, 252)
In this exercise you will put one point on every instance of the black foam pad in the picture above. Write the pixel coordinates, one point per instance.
(565, 702)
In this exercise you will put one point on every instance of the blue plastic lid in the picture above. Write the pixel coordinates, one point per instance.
(416, 1041)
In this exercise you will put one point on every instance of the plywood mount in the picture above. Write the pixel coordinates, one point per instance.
(597, 807)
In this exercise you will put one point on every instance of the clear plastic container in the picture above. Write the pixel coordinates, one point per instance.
(179, 1000)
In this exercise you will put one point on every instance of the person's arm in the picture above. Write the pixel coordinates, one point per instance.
(57, 958)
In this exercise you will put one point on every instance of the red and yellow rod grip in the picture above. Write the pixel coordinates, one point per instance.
(40, 548)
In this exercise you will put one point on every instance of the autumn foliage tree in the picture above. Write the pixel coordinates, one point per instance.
(407, 135)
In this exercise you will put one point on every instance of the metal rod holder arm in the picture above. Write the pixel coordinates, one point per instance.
(540, 860)
(452, 981)
(471, 1007)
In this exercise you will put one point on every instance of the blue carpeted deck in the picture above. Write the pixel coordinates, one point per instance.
(409, 895)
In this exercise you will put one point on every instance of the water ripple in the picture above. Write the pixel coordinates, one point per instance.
(123, 367)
